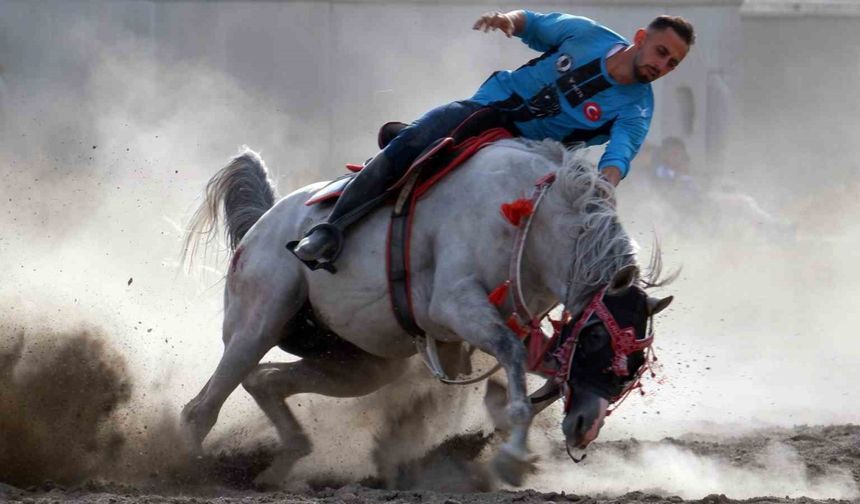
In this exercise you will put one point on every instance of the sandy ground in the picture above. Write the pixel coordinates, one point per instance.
(449, 475)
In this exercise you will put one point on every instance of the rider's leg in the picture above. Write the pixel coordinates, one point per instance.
(322, 242)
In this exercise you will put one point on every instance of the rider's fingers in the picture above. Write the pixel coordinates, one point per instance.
(484, 18)
(494, 21)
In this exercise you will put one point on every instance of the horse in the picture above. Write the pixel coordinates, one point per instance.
(576, 251)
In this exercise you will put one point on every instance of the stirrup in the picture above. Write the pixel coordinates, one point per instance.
(328, 263)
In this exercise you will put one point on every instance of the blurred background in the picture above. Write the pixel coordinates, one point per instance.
(113, 115)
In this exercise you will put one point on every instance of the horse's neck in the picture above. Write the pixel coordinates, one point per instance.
(547, 257)
(559, 235)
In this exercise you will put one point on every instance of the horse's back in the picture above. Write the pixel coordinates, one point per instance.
(457, 224)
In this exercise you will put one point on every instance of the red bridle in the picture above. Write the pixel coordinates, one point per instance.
(623, 341)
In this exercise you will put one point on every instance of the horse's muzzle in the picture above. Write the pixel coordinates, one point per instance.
(584, 418)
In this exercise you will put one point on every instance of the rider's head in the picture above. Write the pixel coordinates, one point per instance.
(661, 47)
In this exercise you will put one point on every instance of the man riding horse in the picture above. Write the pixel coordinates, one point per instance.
(590, 85)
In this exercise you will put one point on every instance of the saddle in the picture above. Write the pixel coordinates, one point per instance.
(440, 157)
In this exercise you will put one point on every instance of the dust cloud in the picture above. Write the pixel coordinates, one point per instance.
(59, 394)
(674, 469)
(112, 127)
(105, 148)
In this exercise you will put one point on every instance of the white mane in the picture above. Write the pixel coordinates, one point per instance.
(585, 207)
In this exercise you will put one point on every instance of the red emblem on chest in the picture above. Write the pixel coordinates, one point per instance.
(592, 111)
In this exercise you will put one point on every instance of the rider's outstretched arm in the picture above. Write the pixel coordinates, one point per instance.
(539, 31)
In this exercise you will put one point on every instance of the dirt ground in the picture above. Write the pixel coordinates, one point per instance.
(450, 474)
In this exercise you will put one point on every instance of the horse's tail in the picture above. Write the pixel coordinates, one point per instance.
(246, 192)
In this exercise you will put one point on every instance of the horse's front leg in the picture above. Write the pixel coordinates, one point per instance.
(496, 399)
(462, 307)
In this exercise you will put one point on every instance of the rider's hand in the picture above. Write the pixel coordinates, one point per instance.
(495, 21)
(612, 174)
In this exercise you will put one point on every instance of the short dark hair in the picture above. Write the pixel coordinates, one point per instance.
(682, 27)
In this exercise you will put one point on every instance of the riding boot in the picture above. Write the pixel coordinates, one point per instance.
(323, 242)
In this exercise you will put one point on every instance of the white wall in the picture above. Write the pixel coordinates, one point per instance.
(343, 68)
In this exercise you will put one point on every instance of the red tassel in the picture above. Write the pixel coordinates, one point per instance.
(354, 168)
(497, 296)
(517, 209)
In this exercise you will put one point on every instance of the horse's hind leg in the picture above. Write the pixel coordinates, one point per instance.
(258, 301)
(354, 375)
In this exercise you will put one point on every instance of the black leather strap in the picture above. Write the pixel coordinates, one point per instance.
(576, 86)
(399, 230)
(398, 276)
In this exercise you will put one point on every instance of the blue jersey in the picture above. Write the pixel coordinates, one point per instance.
(567, 94)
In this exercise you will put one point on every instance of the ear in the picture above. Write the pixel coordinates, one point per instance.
(639, 36)
(623, 279)
(655, 305)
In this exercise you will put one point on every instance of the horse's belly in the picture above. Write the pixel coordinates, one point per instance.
(368, 325)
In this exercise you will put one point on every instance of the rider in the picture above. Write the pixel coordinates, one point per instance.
(589, 85)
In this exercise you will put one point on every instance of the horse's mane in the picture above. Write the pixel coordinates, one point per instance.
(588, 216)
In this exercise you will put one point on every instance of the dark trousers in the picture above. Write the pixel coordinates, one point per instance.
(438, 123)
(461, 119)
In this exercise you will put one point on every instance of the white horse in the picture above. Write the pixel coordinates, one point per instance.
(460, 251)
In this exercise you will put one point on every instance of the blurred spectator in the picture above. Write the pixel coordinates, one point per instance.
(644, 160)
(672, 178)
(672, 166)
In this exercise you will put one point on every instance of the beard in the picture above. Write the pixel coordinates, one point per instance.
(641, 75)
(640, 72)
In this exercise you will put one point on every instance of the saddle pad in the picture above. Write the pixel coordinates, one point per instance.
(330, 191)
(456, 155)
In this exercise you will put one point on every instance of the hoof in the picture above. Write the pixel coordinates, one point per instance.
(190, 443)
(192, 430)
(513, 469)
(281, 467)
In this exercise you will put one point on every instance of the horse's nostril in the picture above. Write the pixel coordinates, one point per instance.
(578, 429)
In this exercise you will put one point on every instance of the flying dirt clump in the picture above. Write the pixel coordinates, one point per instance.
(58, 395)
